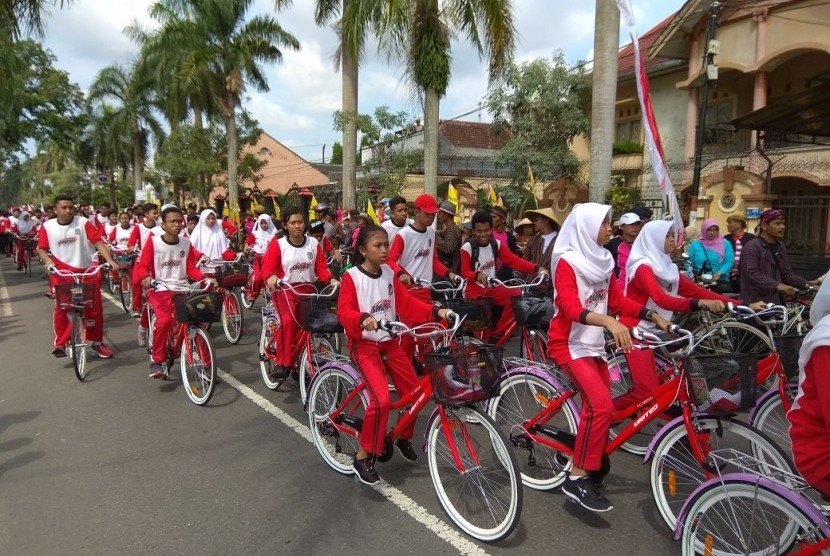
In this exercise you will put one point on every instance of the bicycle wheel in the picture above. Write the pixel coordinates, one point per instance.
(537, 346)
(620, 384)
(27, 261)
(474, 473)
(676, 473)
(739, 517)
(151, 326)
(770, 418)
(727, 337)
(125, 287)
(198, 367)
(246, 290)
(521, 397)
(231, 317)
(268, 349)
(77, 345)
(319, 344)
(328, 391)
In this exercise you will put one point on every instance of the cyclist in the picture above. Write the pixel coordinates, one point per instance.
(65, 243)
(192, 222)
(25, 229)
(258, 242)
(585, 292)
(138, 238)
(297, 259)
(209, 237)
(119, 236)
(369, 294)
(480, 257)
(316, 229)
(655, 281)
(169, 260)
(111, 223)
(398, 217)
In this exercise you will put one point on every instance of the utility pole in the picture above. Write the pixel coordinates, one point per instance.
(324, 153)
(710, 70)
(604, 96)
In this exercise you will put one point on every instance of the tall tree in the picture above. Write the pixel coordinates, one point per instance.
(606, 48)
(220, 49)
(21, 17)
(133, 103)
(418, 33)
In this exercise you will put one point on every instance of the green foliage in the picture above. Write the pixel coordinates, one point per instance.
(545, 104)
(627, 147)
(621, 198)
(336, 153)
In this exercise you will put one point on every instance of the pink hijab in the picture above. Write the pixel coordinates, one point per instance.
(716, 244)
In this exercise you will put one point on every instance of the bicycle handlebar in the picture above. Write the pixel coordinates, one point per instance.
(771, 308)
(203, 285)
(281, 284)
(516, 284)
(91, 271)
(649, 341)
(441, 286)
(394, 327)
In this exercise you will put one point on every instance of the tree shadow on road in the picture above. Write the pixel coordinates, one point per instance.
(13, 418)
(20, 461)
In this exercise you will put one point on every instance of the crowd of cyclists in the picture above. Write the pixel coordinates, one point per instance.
(600, 278)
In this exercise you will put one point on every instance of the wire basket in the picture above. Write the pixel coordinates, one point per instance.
(722, 383)
(198, 307)
(232, 275)
(532, 310)
(70, 295)
(788, 347)
(29, 244)
(125, 262)
(477, 312)
(318, 315)
(465, 374)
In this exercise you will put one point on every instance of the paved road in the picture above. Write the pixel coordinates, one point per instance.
(124, 464)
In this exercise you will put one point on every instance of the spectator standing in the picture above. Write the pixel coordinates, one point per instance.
(398, 217)
(448, 237)
(620, 247)
(539, 247)
(500, 233)
(737, 237)
(712, 254)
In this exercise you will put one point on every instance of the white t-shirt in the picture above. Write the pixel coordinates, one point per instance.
(486, 258)
(418, 252)
(69, 245)
(392, 230)
(376, 297)
(298, 261)
(170, 263)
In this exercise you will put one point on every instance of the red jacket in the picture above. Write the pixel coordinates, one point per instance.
(810, 418)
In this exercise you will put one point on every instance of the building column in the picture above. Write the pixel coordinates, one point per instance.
(759, 96)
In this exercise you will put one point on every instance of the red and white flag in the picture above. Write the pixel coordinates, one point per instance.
(652, 135)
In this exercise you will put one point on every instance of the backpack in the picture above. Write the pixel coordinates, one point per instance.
(494, 245)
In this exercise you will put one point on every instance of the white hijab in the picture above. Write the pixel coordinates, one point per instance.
(24, 227)
(820, 318)
(209, 241)
(577, 243)
(267, 234)
(648, 249)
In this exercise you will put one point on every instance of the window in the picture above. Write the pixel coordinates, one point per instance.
(629, 125)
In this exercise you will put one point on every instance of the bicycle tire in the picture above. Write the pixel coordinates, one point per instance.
(727, 337)
(27, 261)
(151, 326)
(328, 390)
(77, 345)
(521, 397)
(269, 341)
(758, 521)
(232, 319)
(126, 291)
(246, 290)
(319, 344)
(770, 418)
(485, 498)
(198, 375)
(675, 472)
(537, 346)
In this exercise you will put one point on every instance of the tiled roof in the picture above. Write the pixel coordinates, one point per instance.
(625, 59)
(474, 135)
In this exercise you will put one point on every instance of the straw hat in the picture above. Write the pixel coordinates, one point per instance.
(547, 212)
(523, 222)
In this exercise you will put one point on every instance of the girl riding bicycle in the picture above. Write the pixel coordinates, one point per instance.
(258, 242)
(370, 293)
(25, 228)
(585, 292)
(297, 259)
(209, 238)
(170, 261)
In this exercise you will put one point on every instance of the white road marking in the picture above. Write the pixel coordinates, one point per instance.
(5, 304)
(410, 507)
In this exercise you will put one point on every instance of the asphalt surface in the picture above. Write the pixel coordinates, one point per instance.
(122, 464)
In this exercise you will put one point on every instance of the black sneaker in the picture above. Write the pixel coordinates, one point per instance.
(584, 492)
(406, 450)
(365, 470)
(278, 372)
(58, 351)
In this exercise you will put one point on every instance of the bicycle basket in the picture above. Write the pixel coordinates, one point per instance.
(30, 244)
(198, 307)
(465, 374)
(318, 315)
(83, 294)
(532, 311)
(478, 312)
(125, 262)
(788, 347)
(722, 383)
(232, 275)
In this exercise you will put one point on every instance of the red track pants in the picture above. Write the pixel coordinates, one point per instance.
(163, 307)
(93, 317)
(590, 376)
(286, 304)
(642, 369)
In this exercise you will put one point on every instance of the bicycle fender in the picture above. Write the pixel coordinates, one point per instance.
(750, 418)
(432, 416)
(546, 377)
(796, 499)
(664, 430)
(349, 370)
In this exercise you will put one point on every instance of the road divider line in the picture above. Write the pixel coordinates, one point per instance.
(410, 507)
(5, 302)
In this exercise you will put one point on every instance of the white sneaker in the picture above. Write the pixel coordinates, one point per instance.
(142, 336)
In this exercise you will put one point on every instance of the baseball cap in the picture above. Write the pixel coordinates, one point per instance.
(316, 227)
(447, 207)
(426, 203)
(630, 218)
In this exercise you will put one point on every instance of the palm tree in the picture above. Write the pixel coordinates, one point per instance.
(217, 50)
(133, 111)
(606, 44)
(19, 17)
(418, 32)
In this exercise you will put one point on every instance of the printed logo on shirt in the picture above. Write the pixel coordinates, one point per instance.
(69, 239)
(422, 253)
(299, 267)
(390, 290)
(382, 307)
(309, 255)
(181, 253)
(429, 242)
(596, 298)
(173, 263)
(487, 266)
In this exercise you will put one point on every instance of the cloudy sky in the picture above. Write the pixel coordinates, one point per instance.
(305, 90)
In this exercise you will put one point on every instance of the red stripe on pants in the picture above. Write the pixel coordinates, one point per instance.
(93, 317)
(642, 370)
(137, 289)
(163, 307)
(286, 304)
(590, 376)
(367, 356)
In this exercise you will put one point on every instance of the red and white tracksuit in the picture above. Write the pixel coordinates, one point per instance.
(579, 349)
(295, 264)
(487, 264)
(20, 250)
(645, 289)
(171, 264)
(259, 247)
(138, 239)
(380, 296)
(71, 249)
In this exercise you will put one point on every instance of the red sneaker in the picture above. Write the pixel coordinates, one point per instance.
(102, 350)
